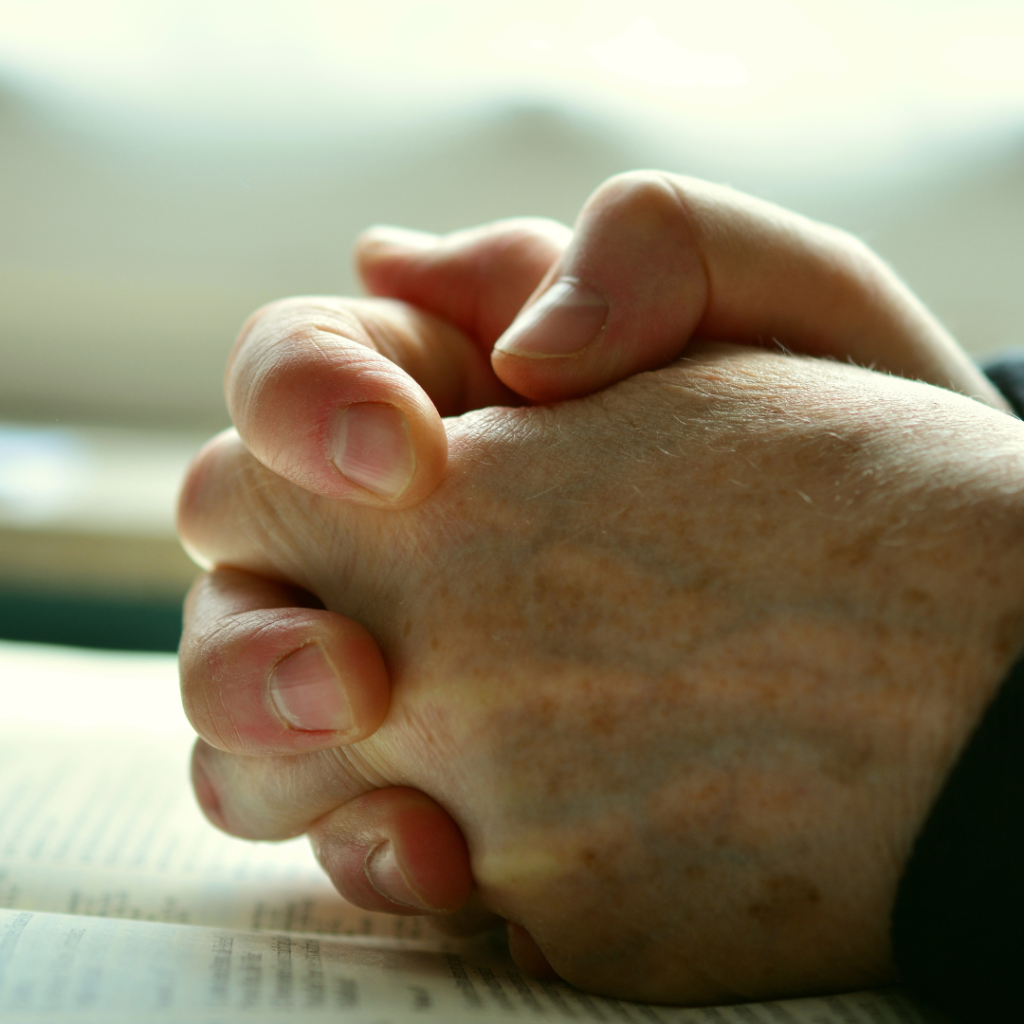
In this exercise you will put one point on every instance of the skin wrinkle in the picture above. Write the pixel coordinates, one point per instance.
(211, 711)
(284, 346)
(269, 627)
(279, 343)
(750, 688)
(212, 655)
(253, 383)
(762, 551)
(396, 341)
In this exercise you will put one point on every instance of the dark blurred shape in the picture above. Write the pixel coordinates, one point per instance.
(89, 621)
(1008, 375)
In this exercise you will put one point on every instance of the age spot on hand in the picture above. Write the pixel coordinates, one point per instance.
(785, 898)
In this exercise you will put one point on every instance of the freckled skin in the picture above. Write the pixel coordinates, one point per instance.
(784, 899)
(687, 661)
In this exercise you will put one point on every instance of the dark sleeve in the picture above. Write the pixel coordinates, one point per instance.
(958, 922)
(1008, 375)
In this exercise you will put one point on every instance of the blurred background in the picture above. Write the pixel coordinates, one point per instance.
(167, 166)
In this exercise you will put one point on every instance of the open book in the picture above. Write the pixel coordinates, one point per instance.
(121, 903)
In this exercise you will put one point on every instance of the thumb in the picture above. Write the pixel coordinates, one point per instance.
(657, 259)
(476, 279)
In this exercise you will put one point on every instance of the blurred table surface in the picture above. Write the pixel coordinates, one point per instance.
(90, 511)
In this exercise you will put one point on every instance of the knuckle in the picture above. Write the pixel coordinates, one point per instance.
(652, 196)
(295, 324)
(244, 793)
(864, 262)
(530, 231)
(232, 510)
(851, 263)
(305, 345)
(203, 663)
(277, 326)
(274, 318)
(194, 500)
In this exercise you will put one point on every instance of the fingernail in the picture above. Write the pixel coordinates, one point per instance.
(308, 694)
(562, 322)
(386, 877)
(372, 448)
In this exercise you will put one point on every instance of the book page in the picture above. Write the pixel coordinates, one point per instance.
(59, 967)
(97, 814)
(122, 903)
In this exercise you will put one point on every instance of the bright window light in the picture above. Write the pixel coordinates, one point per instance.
(986, 57)
(643, 53)
(799, 66)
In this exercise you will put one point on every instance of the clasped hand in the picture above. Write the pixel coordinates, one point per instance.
(665, 672)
